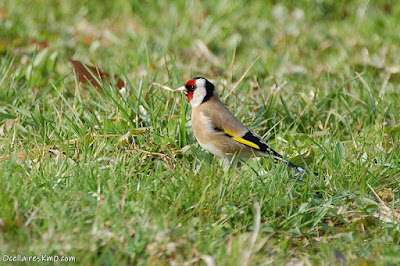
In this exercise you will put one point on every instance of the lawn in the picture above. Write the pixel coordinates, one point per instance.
(117, 177)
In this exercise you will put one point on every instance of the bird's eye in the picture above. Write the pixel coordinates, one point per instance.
(191, 88)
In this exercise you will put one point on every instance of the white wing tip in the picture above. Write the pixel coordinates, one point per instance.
(300, 169)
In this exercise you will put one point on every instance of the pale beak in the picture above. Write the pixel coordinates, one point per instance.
(180, 89)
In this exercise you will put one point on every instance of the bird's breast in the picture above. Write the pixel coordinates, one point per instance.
(215, 141)
(202, 127)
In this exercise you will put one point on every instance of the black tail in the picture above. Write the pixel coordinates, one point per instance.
(280, 158)
(250, 136)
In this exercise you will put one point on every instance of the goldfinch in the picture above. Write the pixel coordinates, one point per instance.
(218, 130)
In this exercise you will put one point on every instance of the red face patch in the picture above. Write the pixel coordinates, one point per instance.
(190, 87)
(190, 95)
(191, 82)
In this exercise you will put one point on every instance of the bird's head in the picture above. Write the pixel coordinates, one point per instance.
(198, 90)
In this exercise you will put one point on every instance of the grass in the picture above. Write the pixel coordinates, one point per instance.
(114, 179)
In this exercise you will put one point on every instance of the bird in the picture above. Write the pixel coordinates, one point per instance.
(219, 131)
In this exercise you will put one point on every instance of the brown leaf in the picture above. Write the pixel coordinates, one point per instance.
(89, 74)
(40, 45)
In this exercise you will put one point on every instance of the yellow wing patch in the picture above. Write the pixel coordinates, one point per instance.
(246, 142)
(242, 140)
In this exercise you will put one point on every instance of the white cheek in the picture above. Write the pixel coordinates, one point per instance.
(198, 97)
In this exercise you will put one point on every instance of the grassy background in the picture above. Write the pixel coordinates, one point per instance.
(120, 179)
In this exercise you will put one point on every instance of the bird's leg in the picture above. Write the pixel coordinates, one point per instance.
(226, 164)
(232, 161)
